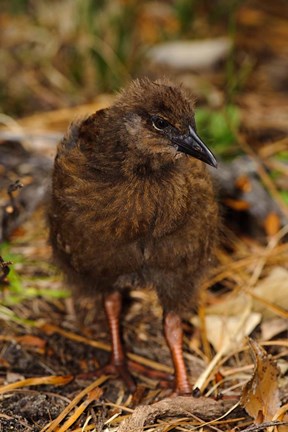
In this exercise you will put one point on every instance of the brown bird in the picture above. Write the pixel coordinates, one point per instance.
(127, 200)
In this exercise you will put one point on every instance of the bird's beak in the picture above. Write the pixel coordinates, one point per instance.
(192, 145)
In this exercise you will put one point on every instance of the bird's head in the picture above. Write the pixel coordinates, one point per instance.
(159, 119)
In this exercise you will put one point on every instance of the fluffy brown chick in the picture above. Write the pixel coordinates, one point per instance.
(132, 196)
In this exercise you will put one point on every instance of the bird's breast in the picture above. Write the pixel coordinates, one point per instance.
(149, 208)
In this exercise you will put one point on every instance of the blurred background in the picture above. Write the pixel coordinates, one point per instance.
(63, 59)
(61, 54)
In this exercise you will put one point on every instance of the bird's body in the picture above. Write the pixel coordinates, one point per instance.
(125, 203)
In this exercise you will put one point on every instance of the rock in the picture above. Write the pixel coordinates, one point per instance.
(192, 55)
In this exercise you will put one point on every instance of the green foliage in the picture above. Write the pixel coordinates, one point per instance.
(113, 47)
(23, 287)
(284, 195)
(185, 12)
(7, 314)
(276, 175)
(14, 6)
(218, 128)
(67, 52)
(282, 156)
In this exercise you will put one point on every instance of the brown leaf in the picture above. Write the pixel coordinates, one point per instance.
(272, 224)
(238, 205)
(260, 396)
(33, 341)
(243, 184)
(225, 332)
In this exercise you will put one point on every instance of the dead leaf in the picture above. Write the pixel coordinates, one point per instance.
(12, 377)
(273, 289)
(239, 205)
(232, 305)
(226, 331)
(243, 183)
(228, 341)
(272, 224)
(260, 396)
(269, 297)
(273, 327)
(32, 341)
(229, 322)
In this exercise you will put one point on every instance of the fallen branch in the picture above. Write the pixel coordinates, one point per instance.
(206, 409)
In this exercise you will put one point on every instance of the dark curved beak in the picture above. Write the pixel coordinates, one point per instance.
(192, 145)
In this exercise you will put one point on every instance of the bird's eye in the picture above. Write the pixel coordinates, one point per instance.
(159, 123)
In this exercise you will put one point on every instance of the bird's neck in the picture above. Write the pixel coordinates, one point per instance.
(115, 163)
(148, 166)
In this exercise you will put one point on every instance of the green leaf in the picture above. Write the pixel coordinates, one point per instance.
(218, 127)
(284, 195)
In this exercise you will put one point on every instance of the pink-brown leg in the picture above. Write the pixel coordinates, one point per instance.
(174, 337)
(113, 306)
(118, 362)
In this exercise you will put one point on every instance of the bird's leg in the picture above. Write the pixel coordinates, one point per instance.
(118, 362)
(174, 337)
(113, 306)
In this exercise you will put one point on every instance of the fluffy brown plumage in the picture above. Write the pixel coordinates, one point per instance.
(127, 200)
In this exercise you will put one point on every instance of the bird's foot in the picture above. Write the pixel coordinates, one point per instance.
(151, 373)
(122, 372)
(182, 386)
(181, 392)
(177, 391)
(119, 370)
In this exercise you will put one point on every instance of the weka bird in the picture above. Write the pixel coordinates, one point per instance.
(126, 200)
